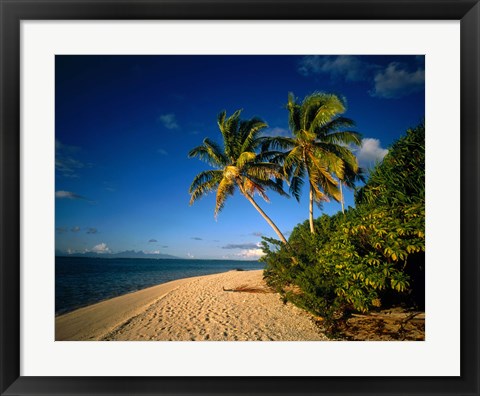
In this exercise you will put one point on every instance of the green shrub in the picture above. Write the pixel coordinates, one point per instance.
(370, 256)
(400, 178)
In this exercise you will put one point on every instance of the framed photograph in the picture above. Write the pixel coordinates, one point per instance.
(255, 198)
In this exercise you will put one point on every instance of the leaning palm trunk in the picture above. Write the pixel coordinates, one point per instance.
(264, 215)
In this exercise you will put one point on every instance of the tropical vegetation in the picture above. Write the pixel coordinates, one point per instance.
(367, 257)
(371, 256)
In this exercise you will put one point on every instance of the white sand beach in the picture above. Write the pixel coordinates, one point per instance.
(193, 309)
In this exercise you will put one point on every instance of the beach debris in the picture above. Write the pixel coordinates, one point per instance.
(248, 289)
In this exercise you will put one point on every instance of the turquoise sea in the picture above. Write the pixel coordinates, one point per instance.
(81, 281)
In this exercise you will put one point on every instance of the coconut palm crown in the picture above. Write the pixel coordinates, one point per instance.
(243, 162)
(318, 152)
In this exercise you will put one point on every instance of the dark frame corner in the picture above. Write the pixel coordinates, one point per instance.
(13, 11)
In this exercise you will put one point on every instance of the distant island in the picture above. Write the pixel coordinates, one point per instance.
(124, 254)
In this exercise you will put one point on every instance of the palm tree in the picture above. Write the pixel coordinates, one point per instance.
(318, 149)
(242, 163)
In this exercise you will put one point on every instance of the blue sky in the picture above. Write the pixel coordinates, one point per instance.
(125, 124)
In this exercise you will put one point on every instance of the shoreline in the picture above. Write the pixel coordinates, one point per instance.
(87, 322)
(57, 315)
(114, 278)
(196, 308)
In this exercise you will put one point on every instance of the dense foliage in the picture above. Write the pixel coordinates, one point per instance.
(370, 256)
(400, 180)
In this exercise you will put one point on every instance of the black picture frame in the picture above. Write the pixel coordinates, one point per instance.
(13, 11)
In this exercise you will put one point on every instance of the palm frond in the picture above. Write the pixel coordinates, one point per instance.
(293, 112)
(344, 137)
(264, 171)
(319, 108)
(276, 143)
(330, 106)
(334, 125)
(251, 187)
(293, 158)
(203, 184)
(308, 109)
(210, 153)
(249, 131)
(324, 183)
(274, 185)
(331, 189)
(225, 188)
(246, 157)
(204, 177)
(329, 160)
(232, 122)
(318, 195)
(305, 137)
(273, 156)
(321, 169)
(342, 152)
(351, 177)
(228, 128)
(215, 152)
(221, 120)
(296, 184)
(296, 181)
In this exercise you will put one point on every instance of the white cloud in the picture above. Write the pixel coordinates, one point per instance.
(68, 195)
(396, 81)
(60, 146)
(393, 81)
(240, 246)
(347, 67)
(169, 121)
(370, 152)
(162, 151)
(101, 248)
(151, 251)
(65, 164)
(71, 195)
(253, 253)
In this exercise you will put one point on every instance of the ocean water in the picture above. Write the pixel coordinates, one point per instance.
(81, 281)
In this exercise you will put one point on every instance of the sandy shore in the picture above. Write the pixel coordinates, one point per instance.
(196, 309)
